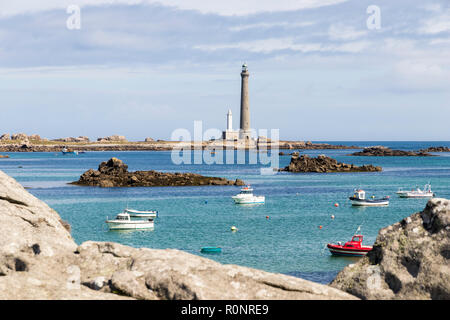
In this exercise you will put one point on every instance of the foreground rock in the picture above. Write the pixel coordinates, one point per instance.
(436, 149)
(410, 259)
(40, 260)
(323, 164)
(380, 151)
(114, 173)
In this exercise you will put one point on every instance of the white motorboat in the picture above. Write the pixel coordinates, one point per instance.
(141, 214)
(246, 197)
(123, 221)
(359, 199)
(416, 193)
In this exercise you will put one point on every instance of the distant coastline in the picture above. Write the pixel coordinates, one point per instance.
(57, 146)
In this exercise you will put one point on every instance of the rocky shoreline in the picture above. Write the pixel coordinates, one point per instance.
(106, 145)
(114, 173)
(40, 260)
(380, 151)
(324, 164)
(409, 260)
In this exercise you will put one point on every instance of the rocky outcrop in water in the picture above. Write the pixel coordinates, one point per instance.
(436, 149)
(308, 145)
(380, 151)
(40, 260)
(409, 260)
(114, 173)
(323, 164)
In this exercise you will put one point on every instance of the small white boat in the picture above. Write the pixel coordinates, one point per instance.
(246, 197)
(141, 214)
(69, 151)
(359, 199)
(416, 193)
(123, 221)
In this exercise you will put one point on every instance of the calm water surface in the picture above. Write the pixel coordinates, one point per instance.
(289, 242)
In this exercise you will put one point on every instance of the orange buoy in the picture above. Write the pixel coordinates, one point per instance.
(267, 217)
(320, 227)
(336, 204)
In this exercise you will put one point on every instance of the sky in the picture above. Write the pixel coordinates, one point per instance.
(320, 70)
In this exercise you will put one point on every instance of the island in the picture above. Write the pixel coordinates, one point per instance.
(114, 173)
(324, 164)
(21, 142)
(381, 151)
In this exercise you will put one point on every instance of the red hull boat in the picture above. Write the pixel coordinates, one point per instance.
(353, 248)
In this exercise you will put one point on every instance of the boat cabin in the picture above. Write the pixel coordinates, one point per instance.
(246, 190)
(355, 242)
(360, 194)
(123, 216)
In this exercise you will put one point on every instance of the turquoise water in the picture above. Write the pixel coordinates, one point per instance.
(290, 241)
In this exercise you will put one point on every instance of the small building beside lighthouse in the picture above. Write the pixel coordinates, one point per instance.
(229, 134)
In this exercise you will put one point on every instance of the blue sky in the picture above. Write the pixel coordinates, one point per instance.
(143, 68)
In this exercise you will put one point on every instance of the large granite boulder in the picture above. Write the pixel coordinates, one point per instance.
(40, 260)
(35, 137)
(5, 137)
(72, 139)
(19, 136)
(114, 173)
(113, 138)
(409, 260)
(323, 164)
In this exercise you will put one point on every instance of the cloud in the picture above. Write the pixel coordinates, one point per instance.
(288, 43)
(343, 32)
(437, 24)
(268, 25)
(220, 7)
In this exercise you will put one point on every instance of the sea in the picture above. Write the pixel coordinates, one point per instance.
(288, 234)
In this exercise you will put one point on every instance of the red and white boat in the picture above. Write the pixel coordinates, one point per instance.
(353, 248)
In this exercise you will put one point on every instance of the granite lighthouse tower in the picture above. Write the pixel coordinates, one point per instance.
(245, 132)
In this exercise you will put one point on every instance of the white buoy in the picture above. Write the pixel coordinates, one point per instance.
(234, 229)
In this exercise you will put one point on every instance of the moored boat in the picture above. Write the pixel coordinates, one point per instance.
(246, 197)
(416, 193)
(211, 250)
(68, 151)
(141, 214)
(359, 199)
(123, 221)
(353, 248)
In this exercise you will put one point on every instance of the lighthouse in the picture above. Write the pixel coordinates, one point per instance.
(245, 132)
